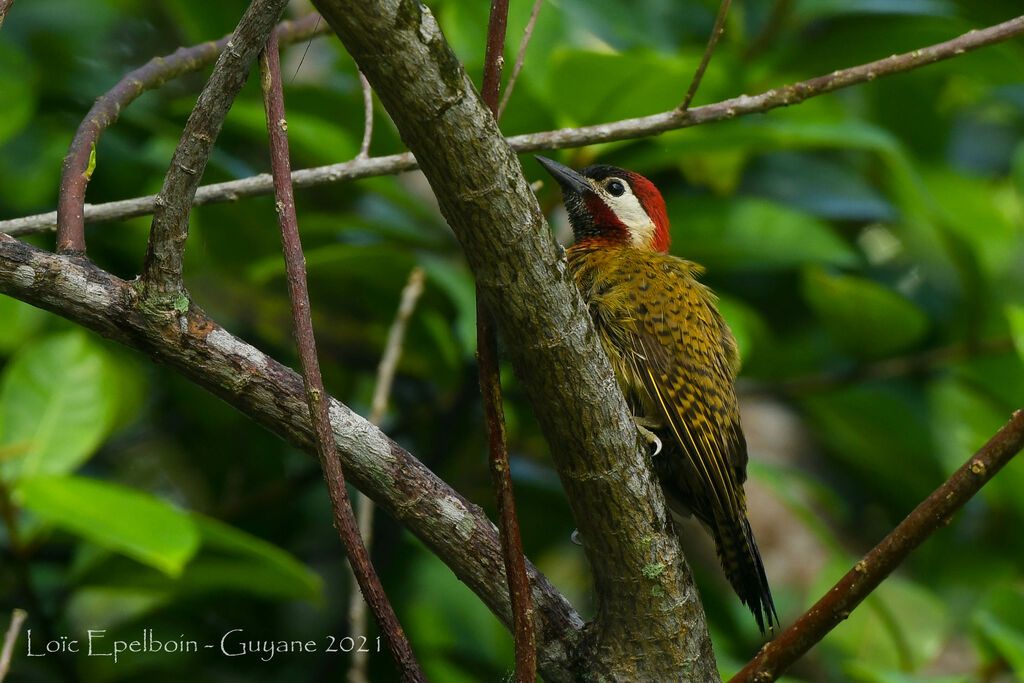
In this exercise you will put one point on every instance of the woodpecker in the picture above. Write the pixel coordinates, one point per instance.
(674, 358)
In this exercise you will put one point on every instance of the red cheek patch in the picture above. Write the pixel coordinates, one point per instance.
(605, 220)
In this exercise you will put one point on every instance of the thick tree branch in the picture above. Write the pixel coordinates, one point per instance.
(316, 397)
(649, 621)
(75, 172)
(457, 531)
(165, 254)
(565, 137)
(932, 514)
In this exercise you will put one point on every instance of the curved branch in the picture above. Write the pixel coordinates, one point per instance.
(930, 515)
(302, 322)
(75, 172)
(165, 253)
(558, 139)
(456, 530)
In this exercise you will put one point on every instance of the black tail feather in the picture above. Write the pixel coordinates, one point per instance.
(742, 563)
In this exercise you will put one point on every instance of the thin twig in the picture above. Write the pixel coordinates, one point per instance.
(770, 30)
(565, 137)
(716, 33)
(364, 505)
(520, 57)
(76, 170)
(523, 628)
(364, 148)
(18, 617)
(5, 6)
(165, 253)
(932, 514)
(344, 518)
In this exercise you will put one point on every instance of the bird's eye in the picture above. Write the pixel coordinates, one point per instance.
(616, 188)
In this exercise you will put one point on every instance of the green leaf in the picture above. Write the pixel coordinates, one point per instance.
(58, 400)
(880, 435)
(19, 100)
(319, 140)
(20, 321)
(1007, 641)
(618, 93)
(1015, 316)
(268, 570)
(745, 323)
(753, 234)
(865, 318)
(901, 625)
(126, 521)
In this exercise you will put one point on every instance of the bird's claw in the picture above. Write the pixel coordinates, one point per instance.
(649, 436)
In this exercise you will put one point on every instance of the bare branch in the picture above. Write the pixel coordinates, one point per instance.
(565, 137)
(457, 531)
(716, 33)
(381, 391)
(932, 514)
(76, 170)
(494, 413)
(316, 397)
(364, 148)
(520, 56)
(161, 271)
(18, 617)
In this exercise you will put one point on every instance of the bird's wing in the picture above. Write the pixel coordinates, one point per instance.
(685, 357)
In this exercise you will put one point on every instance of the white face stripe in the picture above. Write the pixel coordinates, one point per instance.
(630, 212)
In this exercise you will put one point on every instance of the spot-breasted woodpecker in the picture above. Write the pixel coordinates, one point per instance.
(674, 358)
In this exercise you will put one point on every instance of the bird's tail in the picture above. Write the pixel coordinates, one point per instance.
(741, 561)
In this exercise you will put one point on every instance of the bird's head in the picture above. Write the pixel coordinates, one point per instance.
(612, 205)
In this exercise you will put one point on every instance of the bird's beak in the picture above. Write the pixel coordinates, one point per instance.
(569, 179)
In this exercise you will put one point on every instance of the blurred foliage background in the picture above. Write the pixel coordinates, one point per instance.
(868, 247)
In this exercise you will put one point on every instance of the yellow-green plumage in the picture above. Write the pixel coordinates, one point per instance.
(675, 359)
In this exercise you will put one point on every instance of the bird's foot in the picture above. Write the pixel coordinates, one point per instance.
(643, 426)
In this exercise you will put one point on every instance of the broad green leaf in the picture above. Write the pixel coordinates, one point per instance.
(752, 234)
(812, 10)
(593, 87)
(58, 400)
(901, 625)
(316, 138)
(455, 280)
(105, 607)
(865, 318)
(745, 323)
(1015, 316)
(859, 671)
(253, 564)
(18, 321)
(124, 520)
(19, 98)
(1007, 641)
(964, 417)
(881, 436)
